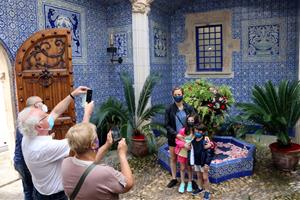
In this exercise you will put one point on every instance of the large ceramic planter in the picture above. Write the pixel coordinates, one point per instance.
(139, 147)
(286, 158)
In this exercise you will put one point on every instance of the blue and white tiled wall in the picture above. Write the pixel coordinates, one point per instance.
(19, 19)
(160, 57)
(119, 21)
(246, 74)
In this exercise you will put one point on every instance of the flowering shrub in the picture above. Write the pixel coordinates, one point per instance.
(210, 101)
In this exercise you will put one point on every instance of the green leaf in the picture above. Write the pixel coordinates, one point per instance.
(146, 93)
(129, 96)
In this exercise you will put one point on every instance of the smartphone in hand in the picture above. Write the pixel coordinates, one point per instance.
(116, 135)
(89, 94)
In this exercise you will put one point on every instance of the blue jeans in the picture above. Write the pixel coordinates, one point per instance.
(26, 180)
(57, 196)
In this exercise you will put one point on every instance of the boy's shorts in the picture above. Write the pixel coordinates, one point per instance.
(198, 168)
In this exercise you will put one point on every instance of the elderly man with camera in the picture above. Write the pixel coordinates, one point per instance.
(42, 154)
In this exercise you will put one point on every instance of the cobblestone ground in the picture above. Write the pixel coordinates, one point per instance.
(266, 183)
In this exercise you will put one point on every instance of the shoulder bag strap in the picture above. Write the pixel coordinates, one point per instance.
(179, 120)
(81, 180)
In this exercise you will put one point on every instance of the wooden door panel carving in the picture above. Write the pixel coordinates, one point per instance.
(44, 69)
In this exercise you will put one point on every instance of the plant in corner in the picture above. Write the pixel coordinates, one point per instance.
(276, 111)
(135, 120)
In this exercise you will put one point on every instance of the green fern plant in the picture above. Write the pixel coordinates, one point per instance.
(134, 119)
(275, 109)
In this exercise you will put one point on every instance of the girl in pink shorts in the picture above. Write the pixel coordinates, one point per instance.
(183, 146)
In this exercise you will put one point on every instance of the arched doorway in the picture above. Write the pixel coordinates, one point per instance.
(7, 108)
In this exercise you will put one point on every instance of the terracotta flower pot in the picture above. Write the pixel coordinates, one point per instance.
(139, 146)
(286, 158)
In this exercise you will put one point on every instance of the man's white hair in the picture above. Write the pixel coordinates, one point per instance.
(32, 100)
(27, 122)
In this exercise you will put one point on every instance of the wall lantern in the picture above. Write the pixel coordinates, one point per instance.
(113, 50)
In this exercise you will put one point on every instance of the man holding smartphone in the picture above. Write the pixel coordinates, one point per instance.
(42, 154)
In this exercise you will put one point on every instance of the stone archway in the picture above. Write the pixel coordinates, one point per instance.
(7, 103)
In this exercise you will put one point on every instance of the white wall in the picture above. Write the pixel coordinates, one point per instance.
(7, 111)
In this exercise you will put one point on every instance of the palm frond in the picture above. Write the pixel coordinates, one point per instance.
(146, 93)
(283, 95)
(149, 113)
(259, 96)
(150, 137)
(272, 96)
(129, 96)
(276, 109)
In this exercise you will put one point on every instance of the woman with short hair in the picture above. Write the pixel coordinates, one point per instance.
(102, 182)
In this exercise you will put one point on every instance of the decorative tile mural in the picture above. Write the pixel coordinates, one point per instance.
(53, 14)
(159, 35)
(264, 40)
(122, 39)
(160, 42)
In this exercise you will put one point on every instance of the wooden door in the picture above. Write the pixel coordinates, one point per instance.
(44, 68)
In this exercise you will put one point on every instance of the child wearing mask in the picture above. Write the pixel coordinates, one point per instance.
(201, 157)
(183, 145)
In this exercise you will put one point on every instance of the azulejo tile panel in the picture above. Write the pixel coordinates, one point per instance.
(54, 14)
(159, 42)
(122, 39)
(264, 40)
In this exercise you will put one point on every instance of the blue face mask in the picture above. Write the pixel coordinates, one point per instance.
(177, 98)
(50, 121)
(198, 135)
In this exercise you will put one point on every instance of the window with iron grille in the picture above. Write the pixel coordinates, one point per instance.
(209, 48)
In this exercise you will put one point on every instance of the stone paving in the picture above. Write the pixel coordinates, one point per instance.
(267, 183)
(10, 184)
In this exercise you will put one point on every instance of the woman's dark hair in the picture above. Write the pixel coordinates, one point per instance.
(196, 121)
(178, 88)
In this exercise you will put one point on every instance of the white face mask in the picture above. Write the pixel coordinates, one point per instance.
(44, 108)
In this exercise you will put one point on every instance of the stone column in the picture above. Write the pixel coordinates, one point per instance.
(140, 40)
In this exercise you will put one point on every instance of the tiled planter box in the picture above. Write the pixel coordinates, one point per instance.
(219, 172)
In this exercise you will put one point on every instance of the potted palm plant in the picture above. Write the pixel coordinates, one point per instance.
(111, 113)
(134, 119)
(276, 110)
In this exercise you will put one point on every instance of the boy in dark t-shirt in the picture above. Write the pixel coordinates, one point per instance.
(201, 157)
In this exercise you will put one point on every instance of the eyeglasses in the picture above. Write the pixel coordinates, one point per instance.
(43, 118)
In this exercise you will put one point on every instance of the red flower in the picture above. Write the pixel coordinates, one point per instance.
(210, 105)
(223, 107)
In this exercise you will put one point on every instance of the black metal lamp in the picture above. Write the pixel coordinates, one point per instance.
(113, 50)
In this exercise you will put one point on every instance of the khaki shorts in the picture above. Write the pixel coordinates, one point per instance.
(198, 168)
